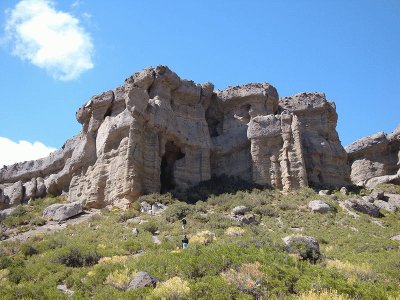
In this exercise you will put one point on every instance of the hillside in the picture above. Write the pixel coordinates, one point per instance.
(97, 254)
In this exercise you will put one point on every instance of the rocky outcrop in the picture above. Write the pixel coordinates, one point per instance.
(363, 206)
(375, 159)
(158, 132)
(305, 247)
(318, 206)
(141, 280)
(60, 212)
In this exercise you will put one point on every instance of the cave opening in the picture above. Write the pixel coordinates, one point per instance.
(167, 176)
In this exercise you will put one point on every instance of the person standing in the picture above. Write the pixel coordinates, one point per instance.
(184, 222)
(185, 242)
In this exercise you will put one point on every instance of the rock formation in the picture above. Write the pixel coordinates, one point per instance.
(375, 159)
(157, 133)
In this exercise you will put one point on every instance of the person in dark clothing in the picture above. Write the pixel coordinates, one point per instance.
(184, 222)
(185, 242)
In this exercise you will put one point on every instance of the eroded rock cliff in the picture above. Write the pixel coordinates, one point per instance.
(157, 133)
(375, 159)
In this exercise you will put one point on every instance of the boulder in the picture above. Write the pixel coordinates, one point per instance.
(135, 231)
(141, 280)
(60, 212)
(344, 190)
(345, 207)
(395, 238)
(363, 206)
(4, 200)
(63, 288)
(324, 192)
(239, 210)
(40, 188)
(306, 247)
(145, 207)
(378, 195)
(30, 190)
(318, 206)
(374, 159)
(394, 199)
(15, 193)
(385, 205)
(6, 212)
(368, 199)
(157, 208)
(245, 219)
(152, 209)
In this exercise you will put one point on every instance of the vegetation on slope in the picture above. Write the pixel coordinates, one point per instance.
(225, 260)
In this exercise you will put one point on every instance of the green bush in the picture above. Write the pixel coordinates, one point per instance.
(265, 210)
(79, 257)
(5, 262)
(133, 246)
(153, 198)
(217, 185)
(28, 250)
(130, 214)
(214, 287)
(38, 221)
(151, 227)
(177, 211)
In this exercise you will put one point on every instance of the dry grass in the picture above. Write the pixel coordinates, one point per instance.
(323, 295)
(247, 278)
(117, 259)
(203, 237)
(174, 289)
(119, 279)
(234, 231)
(352, 271)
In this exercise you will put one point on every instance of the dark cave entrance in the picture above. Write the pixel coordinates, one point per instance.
(172, 154)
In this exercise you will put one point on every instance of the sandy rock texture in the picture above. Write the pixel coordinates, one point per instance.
(158, 132)
(375, 159)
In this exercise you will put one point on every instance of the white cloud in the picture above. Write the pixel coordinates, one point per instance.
(12, 152)
(76, 4)
(50, 39)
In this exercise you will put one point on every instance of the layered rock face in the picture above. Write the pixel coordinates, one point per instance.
(375, 159)
(157, 133)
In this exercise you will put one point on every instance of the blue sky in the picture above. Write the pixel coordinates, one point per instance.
(54, 55)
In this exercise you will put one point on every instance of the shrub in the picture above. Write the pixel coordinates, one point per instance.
(151, 227)
(247, 278)
(177, 211)
(234, 230)
(217, 185)
(201, 217)
(116, 259)
(153, 198)
(20, 216)
(213, 287)
(5, 262)
(133, 247)
(352, 271)
(287, 206)
(38, 221)
(173, 289)
(204, 238)
(20, 211)
(323, 295)
(76, 257)
(130, 214)
(28, 250)
(304, 251)
(119, 279)
(265, 210)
